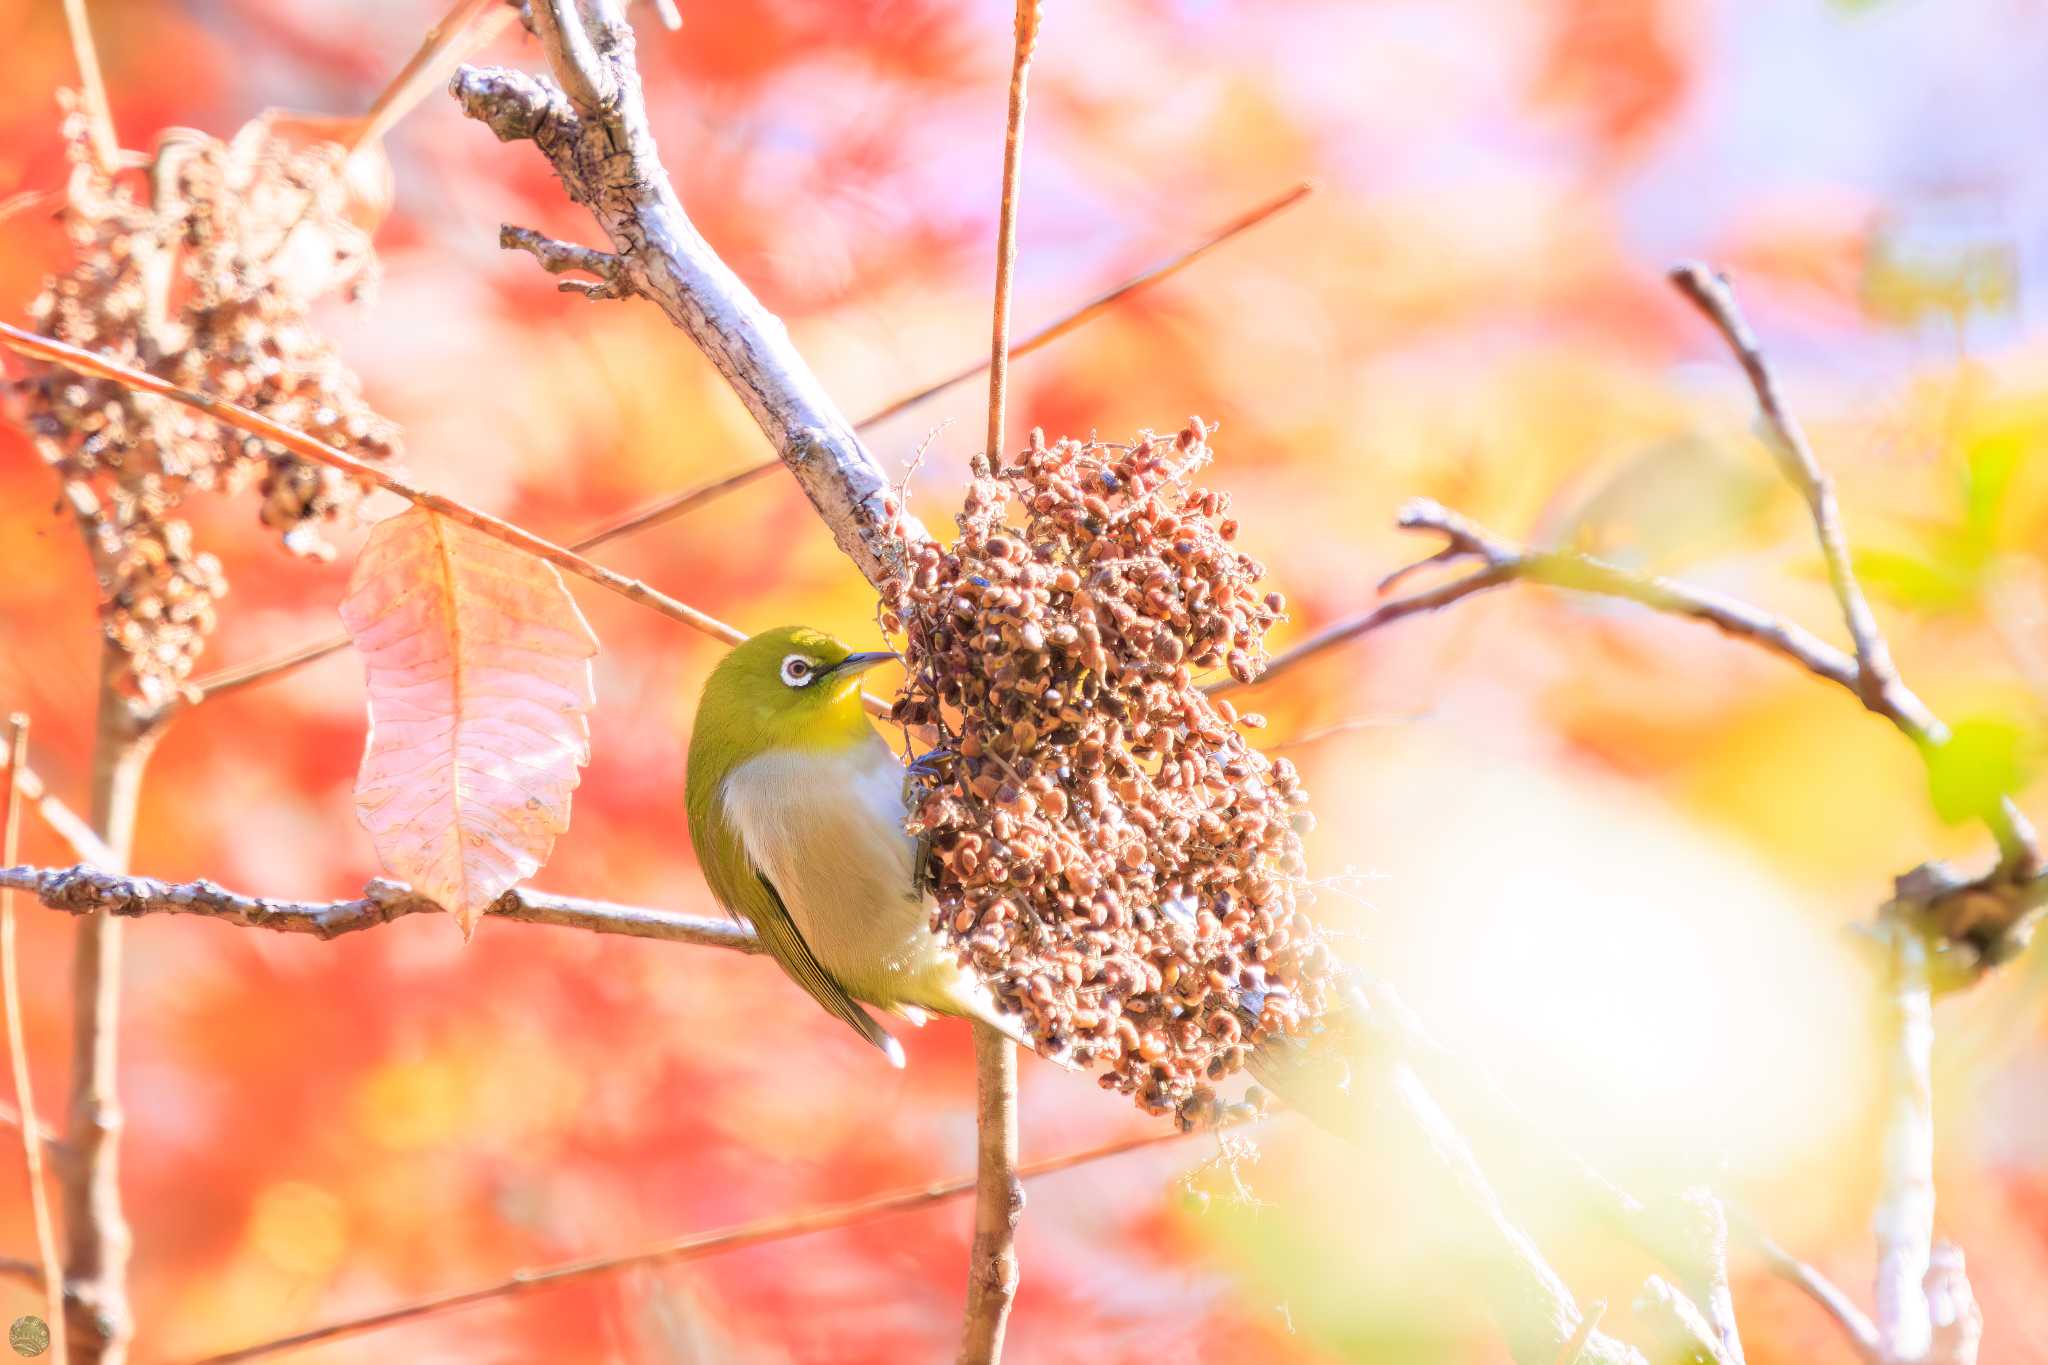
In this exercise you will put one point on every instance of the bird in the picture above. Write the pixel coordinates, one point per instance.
(796, 809)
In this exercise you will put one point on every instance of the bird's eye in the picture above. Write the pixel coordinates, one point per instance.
(797, 670)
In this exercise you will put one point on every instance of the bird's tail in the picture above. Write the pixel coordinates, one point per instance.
(971, 999)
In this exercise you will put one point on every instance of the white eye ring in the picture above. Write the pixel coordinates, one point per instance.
(798, 670)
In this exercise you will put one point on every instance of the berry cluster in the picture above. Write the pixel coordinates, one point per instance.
(208, 282)
(1106, 848)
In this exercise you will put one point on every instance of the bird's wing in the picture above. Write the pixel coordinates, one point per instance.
(764, 910)
(744, 891)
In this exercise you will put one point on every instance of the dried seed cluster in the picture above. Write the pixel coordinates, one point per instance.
(209, 283)
(1105, 846)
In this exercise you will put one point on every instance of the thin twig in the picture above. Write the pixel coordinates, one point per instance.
(245, 675)
(558, 257)
(1350, 725)
(299, 443)
(98, 1239)
(599, 140)
(86, 890)
(1575, 1346)
(1503, 563)
(1696, 1335)
(1877, 677)
(1029, 13)
(1531, 1302)
(1904, 1221)
(65, 822)
(992, 1268)
(469, 24)
(92, 89)
(17, 1048)
(696, 1246)
(1102, 303)
(1818, 1287)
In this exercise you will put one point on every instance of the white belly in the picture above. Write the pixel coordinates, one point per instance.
(827, 830)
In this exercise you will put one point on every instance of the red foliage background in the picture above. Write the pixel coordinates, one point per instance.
(1608, 854)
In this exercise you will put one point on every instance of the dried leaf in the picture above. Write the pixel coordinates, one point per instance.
(480, 684)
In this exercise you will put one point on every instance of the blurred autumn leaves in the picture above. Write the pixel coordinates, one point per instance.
(1469, 311)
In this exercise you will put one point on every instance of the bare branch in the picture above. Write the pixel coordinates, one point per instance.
(1029, 15)
(600, 144)
(469, 24)
(86, 890)
(47, 348)
(1904, 1222)
(1877, 677)
(1697, 1338)
(99, 117)
(1080, 317)
(1957, 1321)
(52, 1268)
(697, 1246)
(1504, 563)
(98, 1319)
(590, 84)
(556, 257)
(245, 675)
(1818, 1287)
(992, 1269)
(1534, 1307)
(68, 824)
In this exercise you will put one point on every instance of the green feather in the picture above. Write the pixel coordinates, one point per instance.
(747, 710)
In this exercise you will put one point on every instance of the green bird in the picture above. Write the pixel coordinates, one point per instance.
(796, 809)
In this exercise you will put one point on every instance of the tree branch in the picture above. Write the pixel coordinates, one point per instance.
(1904, 1222)
(51, 1266)
(1855, 1324)
(597, 138)
(992, 1269)
(1503, 563)
(299, 443)
(1877, 677)
(66, 823)
(556, 257)
(86, 890)
(98, 1317)
(99, 118)
(247, 675)
(696, 1246)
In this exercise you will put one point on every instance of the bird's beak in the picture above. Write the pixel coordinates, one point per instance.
(854, 664)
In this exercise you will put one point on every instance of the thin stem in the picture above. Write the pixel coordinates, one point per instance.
(97, 1233)
(992, 1270)
(1904, 1222)
(86, 891)
(52, 1268)
(1877, 677)
(65, 822)
(1028, 16)
(469, 24)
(696, 1246)
(57, 352)
(92, 89)
(246, 675)
(1823, 1291)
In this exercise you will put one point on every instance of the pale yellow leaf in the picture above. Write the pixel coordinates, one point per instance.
(480, 687)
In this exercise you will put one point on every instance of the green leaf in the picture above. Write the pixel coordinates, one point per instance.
(1929, 582)
(1986, 758)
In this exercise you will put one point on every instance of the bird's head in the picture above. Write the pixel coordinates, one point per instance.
(791, 687)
